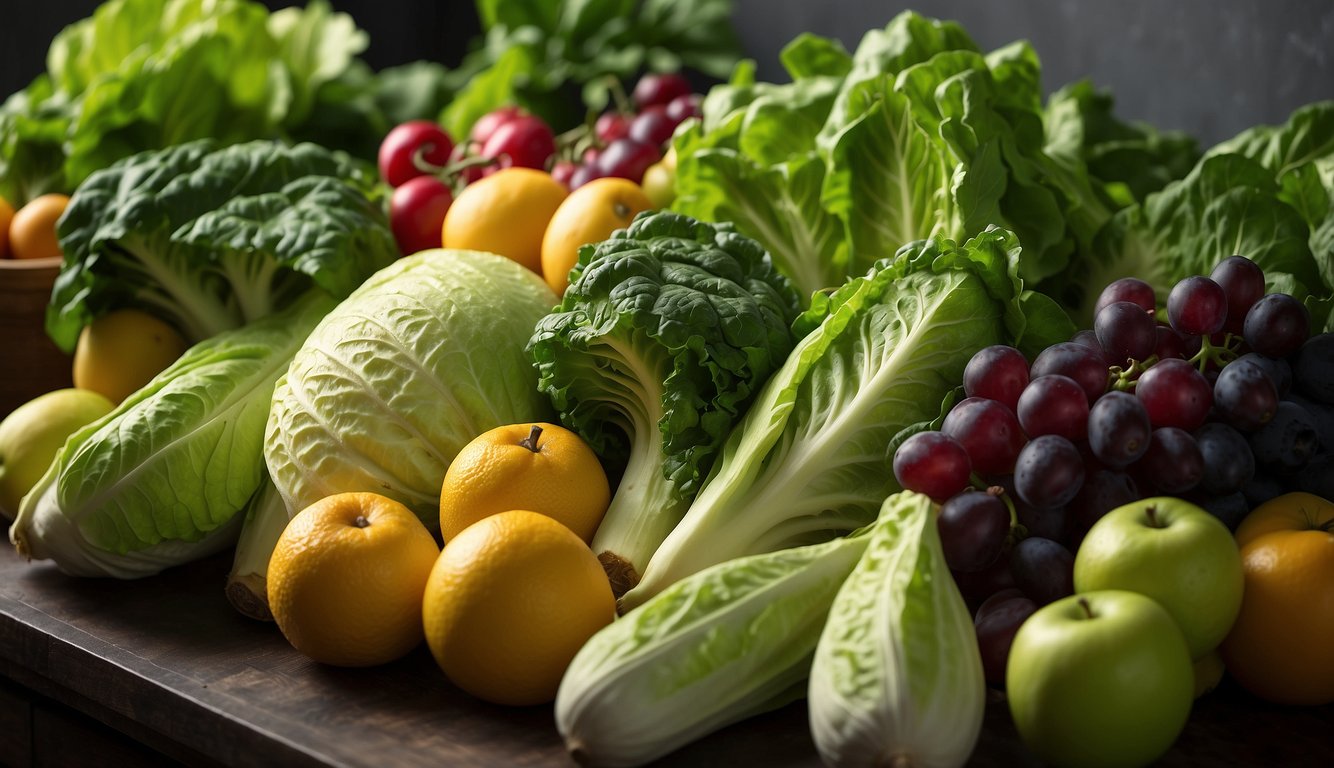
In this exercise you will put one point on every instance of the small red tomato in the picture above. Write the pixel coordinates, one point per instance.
(527, 141)
(417, 213)
(683, 107)
(611, 126)
(410, 144)
(488, 123)
(563, 171)
(654, 88)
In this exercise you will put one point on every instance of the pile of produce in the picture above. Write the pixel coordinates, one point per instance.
(905, 387)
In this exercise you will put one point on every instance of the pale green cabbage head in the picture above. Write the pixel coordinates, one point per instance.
(422, 358)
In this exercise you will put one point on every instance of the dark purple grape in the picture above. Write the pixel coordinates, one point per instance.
(1049, 523)
(1130, 289)
(1323, 416)
(973, 526)
(997, 373)
(1197, 306)
(1175, 394)
(652, 126)
(1277, 325)
(1103, 490)
(1261, 488)
(977, 586)
(1067, 358)
(1245, 396)
(1043, 569)
(1313, 369)
(1125, 331)
(1278, 371)
(932, 463)
(1229, 508)
(989, 431)
(1173, 463)
(1288, 441)
(1169, 345)
(627, 159)
(1088, 339)
(1118, 429)
(1244, 283)
(1048, 472)
(1054, 405)
(1228, 461)
(996, 622)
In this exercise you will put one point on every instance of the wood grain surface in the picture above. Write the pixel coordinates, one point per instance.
(168, 662)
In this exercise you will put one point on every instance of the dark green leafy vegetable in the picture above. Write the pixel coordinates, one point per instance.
(666, 332)
(211, 238)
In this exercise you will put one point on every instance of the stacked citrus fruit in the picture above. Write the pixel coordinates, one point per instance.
(356, 579)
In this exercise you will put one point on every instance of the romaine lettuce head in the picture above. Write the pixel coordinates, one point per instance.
(160, 480)
(812, 458)
(425, 356)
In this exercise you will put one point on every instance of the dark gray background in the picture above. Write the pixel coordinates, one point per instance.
(1209, 67)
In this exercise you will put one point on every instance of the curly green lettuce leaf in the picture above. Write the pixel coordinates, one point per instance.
(665, 334)
(211, 238)
(811, 459)
(161, 479)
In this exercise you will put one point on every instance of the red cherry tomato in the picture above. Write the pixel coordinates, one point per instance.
(417, 212)
(401, 146)
(654, 88)
(683, 107)
(527, 141)
(488, 123)
(611, 126)
(563, 171)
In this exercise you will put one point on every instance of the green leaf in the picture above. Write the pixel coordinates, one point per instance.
(810, 55)
(498, 84)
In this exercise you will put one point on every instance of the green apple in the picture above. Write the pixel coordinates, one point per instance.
(1100, 679)
(1172, 551)
(31, 435)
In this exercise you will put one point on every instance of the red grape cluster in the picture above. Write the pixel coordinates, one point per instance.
(426, 168)
(1221, 397)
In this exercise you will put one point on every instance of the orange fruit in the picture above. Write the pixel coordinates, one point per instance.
(32, 231)
(509, 602)
(121, 351)
(1279, 646)
(346, 579)
(6, 216)
(589, 215)
(540, 467)
(505, 213)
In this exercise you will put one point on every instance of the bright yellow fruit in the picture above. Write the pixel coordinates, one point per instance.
(32, 434)
(32, 230)
(509, 602)
(540, 467)
(589, 215)
(505, 213)
(121, 351)
(346, 579)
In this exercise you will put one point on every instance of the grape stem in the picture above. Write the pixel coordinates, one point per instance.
(1218, 354)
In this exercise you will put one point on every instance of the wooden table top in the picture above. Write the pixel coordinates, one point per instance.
(167, 661)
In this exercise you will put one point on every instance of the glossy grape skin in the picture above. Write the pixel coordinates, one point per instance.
(973, 526)
(1118, 429)
(1103, 490)
(659, 88)
(1068, 358)
(1197, 306)
(1175, 394)
(1288, 441)
(1043, 569)
(977, 586)
(1169, 345)
(1130, 289)
(1088, 338)
(998, 373)
(1048, 472)
(611, 126)
(1126, 332)
(1054, 405)
(1245, 396)
(996, 622)
(1278, 371)
(1277, 325)
(1173, 463)
(652, 126)
(584, 174)
(628, 159)
(1243, 282)
(988, 431)
(684, 107)
(932, 463)
(1228, 461)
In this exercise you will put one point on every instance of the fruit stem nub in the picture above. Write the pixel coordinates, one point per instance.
(1088, 609)
(361, 521)
(530, 442)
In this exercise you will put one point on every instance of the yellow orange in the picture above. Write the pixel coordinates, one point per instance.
(540, 467)
(121, 351)
(589, 215)
(509, 602)
(347, 577)
(32, 230)
(505, 213)
(1279, 646)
